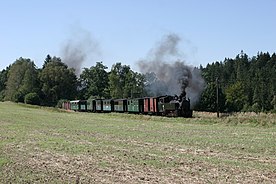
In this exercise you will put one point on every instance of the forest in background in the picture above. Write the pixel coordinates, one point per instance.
(242, 83)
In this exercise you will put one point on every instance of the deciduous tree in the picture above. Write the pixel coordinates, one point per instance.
(58, 82)
(94, 81)
(22, 79)
(123, 82)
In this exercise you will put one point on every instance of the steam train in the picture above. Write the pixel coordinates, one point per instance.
(171, 106)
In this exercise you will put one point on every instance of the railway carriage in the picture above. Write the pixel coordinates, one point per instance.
(78, 105)
(99, 105)
(120, 105)
(108, 105)
(91, 105)
(135, 105)
(150, 105)
(66, 105)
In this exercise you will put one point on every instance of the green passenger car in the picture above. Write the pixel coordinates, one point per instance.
(99, 105)
(135, 105)
(108, 105)
(78, 105)
(91, 105)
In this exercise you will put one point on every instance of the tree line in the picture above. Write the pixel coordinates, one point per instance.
(245, 84)
(241, 84)
(24, 82)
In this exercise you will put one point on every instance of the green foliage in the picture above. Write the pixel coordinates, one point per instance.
(18, 96)
(235, 97)
(2, 95)
(138, 85)
(123, 82)
(58, 82)
(209, 98)
(94, 81)
(3, 81)
(22, 79)
(32, 98)
(47, 60)
(273, 103)
(117, 78)
(249, 84)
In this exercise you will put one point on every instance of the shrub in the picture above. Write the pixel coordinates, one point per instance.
(32, 98)
(18, 97)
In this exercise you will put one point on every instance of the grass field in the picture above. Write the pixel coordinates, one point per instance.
(44, 145)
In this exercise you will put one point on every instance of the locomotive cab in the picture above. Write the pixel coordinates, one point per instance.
(168, 106)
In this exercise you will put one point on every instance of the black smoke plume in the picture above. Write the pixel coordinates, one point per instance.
(78, 49)
(169, 75)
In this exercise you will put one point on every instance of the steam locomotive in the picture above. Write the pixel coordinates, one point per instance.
(171, 106)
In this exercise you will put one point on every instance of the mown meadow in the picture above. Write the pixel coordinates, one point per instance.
(47, 145)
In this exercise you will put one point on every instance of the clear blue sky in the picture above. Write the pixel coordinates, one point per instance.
(125, 30)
